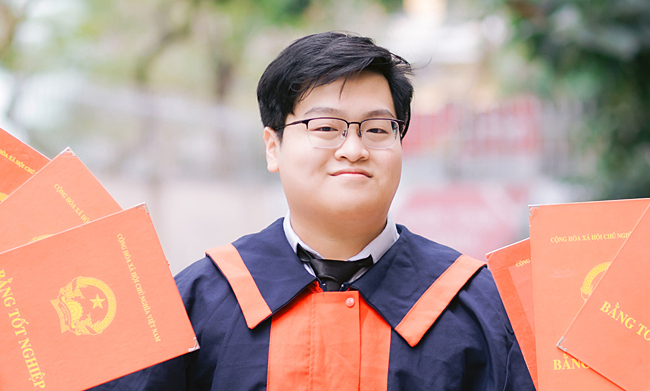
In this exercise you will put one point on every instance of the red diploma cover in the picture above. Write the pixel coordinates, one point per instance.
(89, 305)
(18, 162)
(611, 333)
(511, 268)
(62, 195)
(571, 247)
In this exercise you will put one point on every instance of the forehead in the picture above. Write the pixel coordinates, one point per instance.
(367, 94)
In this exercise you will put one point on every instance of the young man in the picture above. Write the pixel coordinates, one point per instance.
(390, 310)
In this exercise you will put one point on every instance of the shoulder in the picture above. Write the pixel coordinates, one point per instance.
(202, 284)
(433, 255)
(479, 295)
(473, 333)
(419, 245)
(204, 273)
(426, 258)
(205, 288)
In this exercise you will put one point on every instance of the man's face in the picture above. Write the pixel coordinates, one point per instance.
(348, 182)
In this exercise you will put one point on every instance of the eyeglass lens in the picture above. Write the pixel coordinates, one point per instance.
(375, 133)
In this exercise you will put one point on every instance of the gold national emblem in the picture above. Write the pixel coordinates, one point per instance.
(3, 196)
(588, 284)
(86, 306)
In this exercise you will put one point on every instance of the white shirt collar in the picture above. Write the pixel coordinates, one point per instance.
(377, 248)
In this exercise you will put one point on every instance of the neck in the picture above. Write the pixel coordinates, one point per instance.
(340, 239)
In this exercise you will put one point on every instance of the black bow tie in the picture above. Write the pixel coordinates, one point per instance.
(333, 273)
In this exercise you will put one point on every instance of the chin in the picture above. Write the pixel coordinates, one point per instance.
(363, 212)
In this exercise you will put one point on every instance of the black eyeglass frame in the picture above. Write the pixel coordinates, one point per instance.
(399, 122)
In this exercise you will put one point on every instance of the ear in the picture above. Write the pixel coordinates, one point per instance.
(272, 143)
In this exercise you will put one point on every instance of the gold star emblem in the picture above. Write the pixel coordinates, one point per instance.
(97, 302)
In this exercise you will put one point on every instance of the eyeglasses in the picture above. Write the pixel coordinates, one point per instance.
(376, 133)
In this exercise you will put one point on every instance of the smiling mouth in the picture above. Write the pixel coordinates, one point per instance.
(352, 173)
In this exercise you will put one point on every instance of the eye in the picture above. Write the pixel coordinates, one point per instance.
(326, 125)
(378, 127)
(377, 131)
(324, 128)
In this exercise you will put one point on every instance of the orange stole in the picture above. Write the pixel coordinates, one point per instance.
(335, 340)
(328, 341)
(250, 299)
(435, 300)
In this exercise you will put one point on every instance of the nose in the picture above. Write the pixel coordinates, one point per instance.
(353, 148)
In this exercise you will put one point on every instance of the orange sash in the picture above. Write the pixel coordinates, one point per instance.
(335, 340)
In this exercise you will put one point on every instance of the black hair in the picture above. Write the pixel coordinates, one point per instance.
(323, 58)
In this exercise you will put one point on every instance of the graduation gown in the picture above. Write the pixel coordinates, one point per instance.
(264, 323)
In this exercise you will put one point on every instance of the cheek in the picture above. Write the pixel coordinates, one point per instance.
(393, 168)
(302, 169)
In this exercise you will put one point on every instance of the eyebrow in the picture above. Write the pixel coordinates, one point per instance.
(332, 111)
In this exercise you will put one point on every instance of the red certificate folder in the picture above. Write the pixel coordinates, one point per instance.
(89, 305)
(511, 268)
(571, 246)
(62, 195)
(611, 333)
(18, 162)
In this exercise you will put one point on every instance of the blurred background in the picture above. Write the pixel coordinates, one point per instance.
(517, 102)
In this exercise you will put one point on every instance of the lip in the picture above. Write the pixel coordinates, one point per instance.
(352, 171)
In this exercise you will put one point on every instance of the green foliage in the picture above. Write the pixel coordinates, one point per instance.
(392, 5)
(597, 51)
(283, 11)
